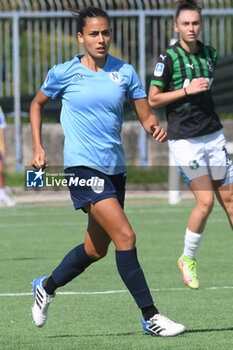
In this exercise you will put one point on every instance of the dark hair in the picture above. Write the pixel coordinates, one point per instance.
(89, 12)
(186, 5)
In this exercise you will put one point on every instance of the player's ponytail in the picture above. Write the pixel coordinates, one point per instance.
(181, 5)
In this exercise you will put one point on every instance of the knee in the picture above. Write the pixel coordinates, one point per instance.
(126, 241)
(206, 205)
(228, 204)
(97, 253)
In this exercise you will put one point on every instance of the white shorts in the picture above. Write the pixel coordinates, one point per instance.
(203, 155)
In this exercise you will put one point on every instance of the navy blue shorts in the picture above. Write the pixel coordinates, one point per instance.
(88, 186)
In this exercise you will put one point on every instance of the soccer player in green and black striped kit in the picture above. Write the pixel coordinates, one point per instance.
(183, 76)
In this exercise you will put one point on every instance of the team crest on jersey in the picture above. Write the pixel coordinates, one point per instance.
(115, 76)
(159, 68)
(78, 77)
(209, 65)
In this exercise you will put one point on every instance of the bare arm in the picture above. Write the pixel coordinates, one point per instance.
(2, 142)
(158, 98)
(148, 119)
(36, 122)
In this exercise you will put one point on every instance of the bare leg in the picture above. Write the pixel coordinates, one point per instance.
(224, 195)
(110, 216)
(204, 194)
(96, 240)
(2, 180)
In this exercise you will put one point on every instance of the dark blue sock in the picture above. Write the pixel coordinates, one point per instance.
(133, 277)
(73, 264)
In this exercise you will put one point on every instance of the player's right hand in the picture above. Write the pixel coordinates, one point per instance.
(38, 161)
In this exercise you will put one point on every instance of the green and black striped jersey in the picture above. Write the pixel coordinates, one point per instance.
(193, 115)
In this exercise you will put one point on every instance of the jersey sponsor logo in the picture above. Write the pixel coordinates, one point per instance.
(115, 76)
(193, 165)
(46, 81)
(163, 57)
(78, 77)
(209, 65)
(209, 81)
(159, 68)
(190, 65)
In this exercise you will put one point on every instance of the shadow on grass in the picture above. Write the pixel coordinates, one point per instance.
(18, 259)
(94, 335)
(136, 333)
(209, 330)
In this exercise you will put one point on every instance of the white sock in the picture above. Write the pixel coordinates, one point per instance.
(2, 192)
(192, 242)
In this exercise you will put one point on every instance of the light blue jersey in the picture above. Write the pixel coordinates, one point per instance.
(2, 119)
(92, 111)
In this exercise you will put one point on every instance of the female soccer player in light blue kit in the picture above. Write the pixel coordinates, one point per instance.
(93, 88)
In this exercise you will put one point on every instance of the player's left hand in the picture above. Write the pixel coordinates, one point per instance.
(158, 133)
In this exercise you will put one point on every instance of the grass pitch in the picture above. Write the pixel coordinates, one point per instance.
(95, 311)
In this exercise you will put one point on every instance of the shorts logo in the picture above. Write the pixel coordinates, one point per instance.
(228, 158)
(159, 68)
(115, 76)
(97, 184)
(35, 178)
(78, 77)
(193, 165)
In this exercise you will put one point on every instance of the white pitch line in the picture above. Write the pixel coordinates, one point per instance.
(118, 291)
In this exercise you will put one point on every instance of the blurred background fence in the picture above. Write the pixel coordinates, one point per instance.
(36, 34)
